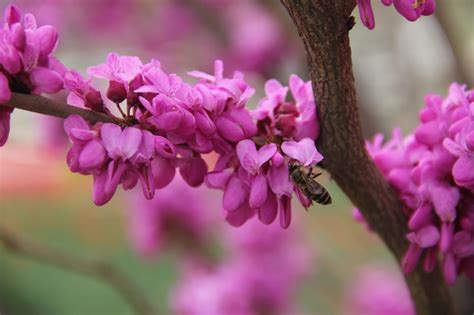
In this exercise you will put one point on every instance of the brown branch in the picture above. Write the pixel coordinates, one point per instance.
(322, 25)
(93, 268)
(46, 106)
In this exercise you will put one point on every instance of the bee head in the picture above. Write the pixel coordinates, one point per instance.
(292, 166)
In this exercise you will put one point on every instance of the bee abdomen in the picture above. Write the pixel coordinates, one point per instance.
(322, 197)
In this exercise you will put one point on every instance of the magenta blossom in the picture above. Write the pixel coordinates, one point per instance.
(26, 62)
(378, 291)
(161, 124)
(409, 9)
(166, 220)
(295, 119)
(257, 269)
(260, 183)
(432, 172)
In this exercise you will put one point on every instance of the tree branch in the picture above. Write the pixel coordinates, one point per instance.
(93, 268)
(322, 25)
(46, 106)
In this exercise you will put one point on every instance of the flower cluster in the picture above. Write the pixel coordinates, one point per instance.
(410, 9)
(260, 275)
(168, 124)
(178, 217)
(26, 62)
(256, 180)
(181, 27)
(378, 290)
(257, 269)
(433, 173)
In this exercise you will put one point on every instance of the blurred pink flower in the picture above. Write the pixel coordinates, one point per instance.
(177, 215)
(409, 9)
(260, 274)
(377, 290)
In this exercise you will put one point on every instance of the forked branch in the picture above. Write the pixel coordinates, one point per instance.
(324, 29)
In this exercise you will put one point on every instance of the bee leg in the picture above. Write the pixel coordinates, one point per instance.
(313, 176)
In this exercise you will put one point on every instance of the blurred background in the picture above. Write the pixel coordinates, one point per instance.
(41, 201)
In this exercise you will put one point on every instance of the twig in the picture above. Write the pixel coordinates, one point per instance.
(50, 107)
(94, 268)
(322, 25)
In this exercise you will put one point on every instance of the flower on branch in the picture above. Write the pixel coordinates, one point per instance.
(409, 9)
(26, 61)
(432, 171)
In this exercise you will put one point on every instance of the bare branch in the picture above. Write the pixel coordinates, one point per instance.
(94, 268)
(322, 25)
(46, 106)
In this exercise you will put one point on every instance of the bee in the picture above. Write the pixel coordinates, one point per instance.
(304, 178)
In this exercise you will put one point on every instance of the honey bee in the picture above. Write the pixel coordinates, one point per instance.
(304, 178)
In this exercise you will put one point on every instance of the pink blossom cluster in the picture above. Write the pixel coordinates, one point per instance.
(433, 172)
(168, 124)
(259, 275)
(235, 287)
(255, 176)
(257, 271)
(182, 25)
(409, 9)
(26, 62)
(178, 217)
(377, 290)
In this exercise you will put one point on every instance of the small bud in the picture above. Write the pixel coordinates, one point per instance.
(94, 101)
(116, 92)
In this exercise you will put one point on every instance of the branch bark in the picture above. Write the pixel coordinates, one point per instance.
(93, 268)
(323, 27)
(50, 107)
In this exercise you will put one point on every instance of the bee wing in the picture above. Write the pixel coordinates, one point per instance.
(314, 187)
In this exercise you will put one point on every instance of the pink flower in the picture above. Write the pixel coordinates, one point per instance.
(5, 113)
(282, 187)
(432, 173)
(410, 9)
(26, 61)
(157, 81)
(82, 94)
(378, 291)
(251, 159)
(130, 149)
(87, 153)
(366, 13)
(166, 220)
(463, 149)
(292, 120)
(303, 151)
(257, 269)
(117, 68)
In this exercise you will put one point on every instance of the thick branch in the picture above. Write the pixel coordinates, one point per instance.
(322, 25)
(50, 107)
(94, 268)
